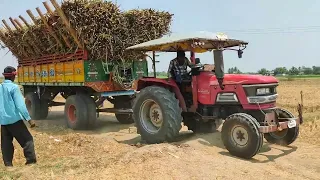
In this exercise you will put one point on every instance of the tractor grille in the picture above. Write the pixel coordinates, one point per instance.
(251, 90)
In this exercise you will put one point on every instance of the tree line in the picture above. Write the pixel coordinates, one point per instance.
(314, 70)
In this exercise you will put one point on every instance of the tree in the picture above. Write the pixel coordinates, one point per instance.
(280, 70)
(294, 71)
(307, 71)
(263, 71)
(316, 70)
(234, 70)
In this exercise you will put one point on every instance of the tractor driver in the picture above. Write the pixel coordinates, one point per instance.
(178, 67)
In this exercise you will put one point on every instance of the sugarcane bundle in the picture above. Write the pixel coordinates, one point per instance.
(99, 26)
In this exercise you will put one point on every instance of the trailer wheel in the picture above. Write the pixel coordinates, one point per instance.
(241, 136)
(76, 112)
(157, 114)
(123, 118)
(286, 136)
(44, 108)
(38, 109)
(91, 110)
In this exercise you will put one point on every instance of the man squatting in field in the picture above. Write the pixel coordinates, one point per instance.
(13, 111)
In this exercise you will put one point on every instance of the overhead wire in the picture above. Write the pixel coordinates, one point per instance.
(288, 30)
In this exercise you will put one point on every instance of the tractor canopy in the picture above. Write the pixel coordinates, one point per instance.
(198, 42)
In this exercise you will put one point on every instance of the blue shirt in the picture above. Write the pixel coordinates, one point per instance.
(12, 104)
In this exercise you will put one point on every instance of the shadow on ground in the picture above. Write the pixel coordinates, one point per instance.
(268, 152)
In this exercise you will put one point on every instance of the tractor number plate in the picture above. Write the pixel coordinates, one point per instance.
(292, 124)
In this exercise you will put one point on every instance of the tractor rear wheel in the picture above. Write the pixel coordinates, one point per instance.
(76, 112)
(286, 136)
(241, 136)
(38, 109)
(157, 114)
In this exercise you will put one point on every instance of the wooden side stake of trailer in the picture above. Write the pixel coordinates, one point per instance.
(1, 33)
(28, 26)
(28, 45)
(10, 31)
(7, 26)
(49, 27)
(67, 23)
(46, 5)
(3, 39)
(13, 23)
(24, 21)
(36, 23)
(32, 17)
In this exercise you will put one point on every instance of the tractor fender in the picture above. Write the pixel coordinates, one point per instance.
(170, 84)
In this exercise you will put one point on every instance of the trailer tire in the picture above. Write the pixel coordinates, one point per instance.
(76, 112)
(38, 109)
(123, 118)
(92, 110)
(167, 119)
(239, 127)
(286, 136)
(44, 112)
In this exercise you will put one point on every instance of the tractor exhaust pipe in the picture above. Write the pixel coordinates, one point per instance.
(219, 66)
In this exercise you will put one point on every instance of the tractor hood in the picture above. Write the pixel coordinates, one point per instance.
(238, 79)
(248, 79)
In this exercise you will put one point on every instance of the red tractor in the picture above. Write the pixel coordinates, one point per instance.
(247, 103)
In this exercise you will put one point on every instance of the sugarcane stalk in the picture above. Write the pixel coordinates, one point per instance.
(49, 27)
(13, 41)
(46, 5)
(32, 42)
(67, 23)
(102, 26)
(36, 23)
(29, 46)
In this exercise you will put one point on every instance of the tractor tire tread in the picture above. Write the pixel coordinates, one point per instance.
(92, 110)
(291, 135)
(249, 121)
(169, 104)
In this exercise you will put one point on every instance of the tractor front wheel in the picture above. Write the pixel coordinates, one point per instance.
(157, 114)
(286, 136)
(241, 136)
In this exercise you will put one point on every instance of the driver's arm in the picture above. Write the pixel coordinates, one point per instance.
(170, 68)
(189, 63)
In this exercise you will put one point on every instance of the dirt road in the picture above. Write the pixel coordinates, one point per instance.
(113, 151)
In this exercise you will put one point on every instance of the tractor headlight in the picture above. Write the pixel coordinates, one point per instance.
(263, 91)
(227, 97)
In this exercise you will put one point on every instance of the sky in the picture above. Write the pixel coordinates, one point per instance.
(280, 33)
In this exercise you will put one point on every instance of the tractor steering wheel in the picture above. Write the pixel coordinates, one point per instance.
(196, 66)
